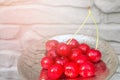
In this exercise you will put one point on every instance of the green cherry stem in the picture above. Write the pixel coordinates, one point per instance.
(97, 31)
(81, 26)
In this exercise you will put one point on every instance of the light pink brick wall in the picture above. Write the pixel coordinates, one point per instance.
(24, 20)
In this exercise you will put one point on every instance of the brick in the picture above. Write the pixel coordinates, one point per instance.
(29, 35)
(9, 74)
(108, 6)
(15, 2)
(36, 14)
(110, 34)
(112, 18)
(73, 3)
(8, 58)
(106, 31)
(116, 47)
(9, 32)
(52, 30)
(10, 45)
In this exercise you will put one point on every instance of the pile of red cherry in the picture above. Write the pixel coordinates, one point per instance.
(70, 58)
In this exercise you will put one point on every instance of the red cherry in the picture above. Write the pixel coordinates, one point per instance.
(77, 78)
(94, 55)
(63, 49)
(84, 47)
(52, 53)
(43, 75)
(75, 53)
(71, 69)
(100, 67)
(89, 78)
(55, 71)
(87, 69)
(81, 59)
(46, 62)
(63, 77)
(73, 43)
(61, 60)
(51, 44)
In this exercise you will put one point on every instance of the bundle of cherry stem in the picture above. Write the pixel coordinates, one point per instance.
(82, 25)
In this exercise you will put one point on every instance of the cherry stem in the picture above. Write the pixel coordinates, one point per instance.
(82, 25)
(97, 31)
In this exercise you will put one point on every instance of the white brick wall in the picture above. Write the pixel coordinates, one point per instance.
(24, 20)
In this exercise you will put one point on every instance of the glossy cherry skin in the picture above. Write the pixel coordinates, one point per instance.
(46, 62)
(84, 47)
(52, 53)
(55, 71)
(77, 78)
(73, 43)
(44, 75)
(63, 49)
(51, 44)
(81, 59)
(87, 69)
(61, 60)
(71, 70)
(75, 53)
(100, 67)
(94, 55)
(89, 78)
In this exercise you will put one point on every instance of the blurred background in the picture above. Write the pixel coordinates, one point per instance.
(25, 20)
